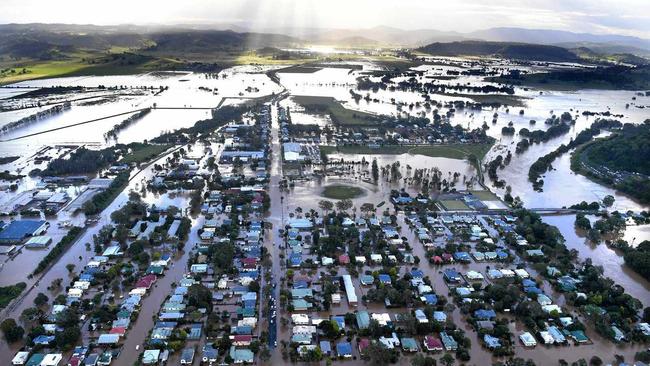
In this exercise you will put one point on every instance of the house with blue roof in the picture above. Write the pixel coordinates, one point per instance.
(325, 347)
(567, 283)
(344, 349)
(241, 355)
(430, 299)
(462, 257)
(402, 200)
(363, 319)
(242, 330)
(43, 340)
(301, 305)
(295, 260)
(409, 344)
(385, 279)
(558, 336)
(340, 320)
(527, 282)
(18, 230)
(448, 341)
(439, 316)
(451, 275)
(417, 273)
(485, 314)
(301, 293)
(532, 290)
(366, 280)
(491, 342)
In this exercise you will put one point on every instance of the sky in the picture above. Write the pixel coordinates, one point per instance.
(625, 17)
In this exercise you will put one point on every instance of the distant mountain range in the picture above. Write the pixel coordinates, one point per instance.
(519, 51)
(45, 41)
(420, 37)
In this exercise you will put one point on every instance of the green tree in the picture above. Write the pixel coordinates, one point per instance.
(608, 200)
(199, 296)
(447, 359)
(378, 355)
(12, 331)
(375, 170)
(421, 360)
(41, 299)
(330, 329)
(325, 205)
(344, 205)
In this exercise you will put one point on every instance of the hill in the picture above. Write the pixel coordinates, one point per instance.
(610, 77)
(31, 51)
(518, 51)
(556, 37)
(591, 55)
(621, 160)
(209, 41)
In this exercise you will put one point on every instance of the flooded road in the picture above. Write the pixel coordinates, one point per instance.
(77, 254)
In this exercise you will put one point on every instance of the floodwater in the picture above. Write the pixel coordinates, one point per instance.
(600, 254)
(78, 255)
(189, 90)
(562, 187)
(183, 90)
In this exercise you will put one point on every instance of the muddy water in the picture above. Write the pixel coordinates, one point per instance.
(77, 254)
(562, 187)
(611, 260)
(304, 193)
(150, 306)
(183, 91)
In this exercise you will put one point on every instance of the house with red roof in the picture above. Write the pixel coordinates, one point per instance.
(363, 344)
(118, 330)
(249, 264)
(241, 340)
(146, 281)
(432, 344)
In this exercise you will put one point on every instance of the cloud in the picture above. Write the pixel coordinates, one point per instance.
(629, 17)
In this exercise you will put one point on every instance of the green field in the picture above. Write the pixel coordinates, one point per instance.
(485, 195)
(341, 192)
(614, 78)
(510, 100)
(454, 205)
(454, 151)
(339, 114)
(8, 159)
(82, 64)
(16, 72)
(299, 69)
(144, 153)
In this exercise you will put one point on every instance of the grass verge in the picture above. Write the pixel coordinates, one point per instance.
(144, 153)
(454, 205)
(8, 293)
(336, 111)
(341, 192)
(453, 151)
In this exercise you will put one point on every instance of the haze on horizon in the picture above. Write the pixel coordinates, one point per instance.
(624, 17)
